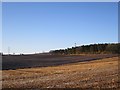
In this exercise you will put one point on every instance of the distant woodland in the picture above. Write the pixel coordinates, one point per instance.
(113, 48)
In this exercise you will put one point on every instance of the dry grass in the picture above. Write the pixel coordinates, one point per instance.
(93, 74)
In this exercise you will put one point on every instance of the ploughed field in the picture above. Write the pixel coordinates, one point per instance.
(102, 73)
(29, 61)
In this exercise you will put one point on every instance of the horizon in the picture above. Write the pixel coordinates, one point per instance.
(40, 27)
(55, 49)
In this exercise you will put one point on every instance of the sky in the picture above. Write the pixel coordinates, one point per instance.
(30, 27)
(0, 27)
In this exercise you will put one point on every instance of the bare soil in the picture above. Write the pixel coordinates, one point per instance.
(28, 61)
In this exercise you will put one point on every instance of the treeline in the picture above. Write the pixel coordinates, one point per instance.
(113, 48)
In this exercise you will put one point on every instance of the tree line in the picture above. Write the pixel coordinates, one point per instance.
(107, 48)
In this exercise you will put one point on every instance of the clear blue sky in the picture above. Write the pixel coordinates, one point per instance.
(36, 27)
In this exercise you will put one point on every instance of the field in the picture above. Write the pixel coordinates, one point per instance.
(29, 61)
(87, 71)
